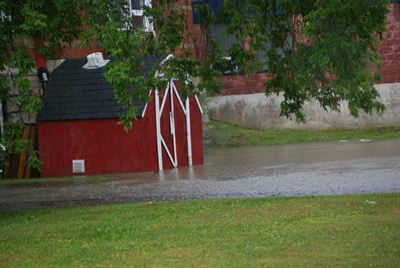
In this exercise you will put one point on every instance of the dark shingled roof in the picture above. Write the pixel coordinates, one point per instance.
(76, 93)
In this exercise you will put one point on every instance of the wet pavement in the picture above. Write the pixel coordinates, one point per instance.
(333, 168)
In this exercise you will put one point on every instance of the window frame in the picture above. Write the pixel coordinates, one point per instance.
(147, 25)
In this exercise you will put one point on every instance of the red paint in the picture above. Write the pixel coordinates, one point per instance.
(180, 132)
(166, 134)
(242, 84)
(40, 60)
(197, 133)
(75, 51)
(106, 148)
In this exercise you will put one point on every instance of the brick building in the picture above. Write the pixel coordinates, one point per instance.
(244, 103)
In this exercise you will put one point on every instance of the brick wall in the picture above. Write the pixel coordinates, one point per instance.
(389, 49)
(241, 84)
(75, 51)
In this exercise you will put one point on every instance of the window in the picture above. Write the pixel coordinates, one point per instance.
(218, 33)
(4, 17)
(225, 41)
(136, 13)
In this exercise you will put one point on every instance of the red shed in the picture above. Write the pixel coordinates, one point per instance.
(78, 128)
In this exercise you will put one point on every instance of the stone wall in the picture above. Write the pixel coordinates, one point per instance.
(13, 111)
(258, 111)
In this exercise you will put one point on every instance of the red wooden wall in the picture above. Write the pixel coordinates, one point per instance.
(197, 133)
(102, 143)
(106, 148)
(180, 130)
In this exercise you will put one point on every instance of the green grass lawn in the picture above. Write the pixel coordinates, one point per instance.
(220, 135)
(355, 231)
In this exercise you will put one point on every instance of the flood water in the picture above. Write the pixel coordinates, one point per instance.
(333, 168)
(238, 163)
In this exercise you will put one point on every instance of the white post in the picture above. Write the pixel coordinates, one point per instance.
(189, 132)
(158, 130)
(172, 123)
(1, 121)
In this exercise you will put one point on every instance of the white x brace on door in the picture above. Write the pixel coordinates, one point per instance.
(168, 99)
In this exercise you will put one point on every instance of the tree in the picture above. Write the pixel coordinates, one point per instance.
(21, 24)
(323, 50)
(127, 44)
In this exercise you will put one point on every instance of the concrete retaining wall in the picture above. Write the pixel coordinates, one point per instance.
(258, 111)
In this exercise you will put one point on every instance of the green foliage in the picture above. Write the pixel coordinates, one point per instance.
(34, 161)
(13, 138)
(128, 45)
(318, 50)
(22, 22)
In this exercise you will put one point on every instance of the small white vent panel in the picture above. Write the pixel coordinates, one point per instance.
(78, 166)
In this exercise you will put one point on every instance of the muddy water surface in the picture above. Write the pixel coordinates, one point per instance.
(307, 169)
